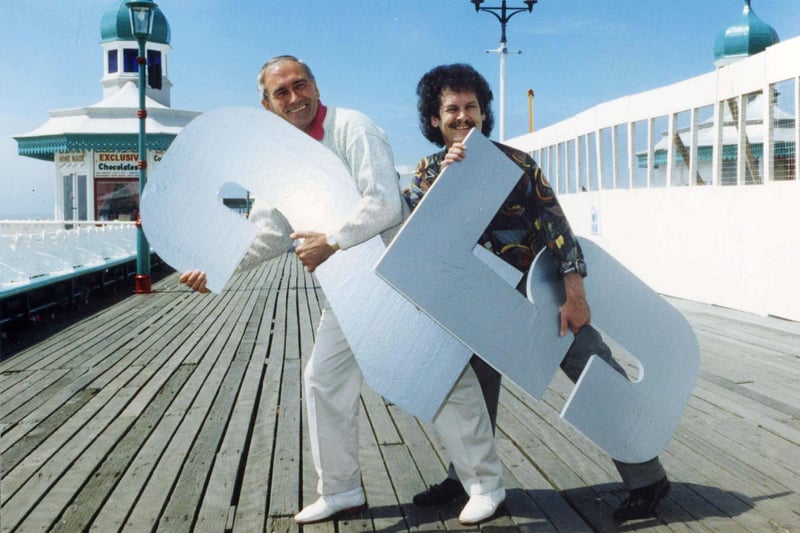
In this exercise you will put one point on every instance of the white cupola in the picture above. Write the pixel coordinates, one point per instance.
(120, 50)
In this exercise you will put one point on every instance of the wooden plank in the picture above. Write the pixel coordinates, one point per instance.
(87, 463)
(89, 498)
(87, 377)
(407, 481)
(123, 497)
(92, 378)
(287, 463)
(286, 466)
(17, 447)
(381, 423)
(196, 400)
(51, 349)
(182, 506)
(221, 492)
(251, 508)
(707, 504)
(384, 508)
(27, 387)
(573, 475)
(748, 439)
(524, 486)
(33, 476)
(768, 418)
(566, 457)
(426, 453)
(96, 437)
(745, 486)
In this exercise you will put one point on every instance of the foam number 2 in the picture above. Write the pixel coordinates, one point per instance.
(190, 229)
(466, 294)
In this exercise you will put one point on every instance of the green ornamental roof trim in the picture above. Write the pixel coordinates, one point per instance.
(46, 147)
(116, 25)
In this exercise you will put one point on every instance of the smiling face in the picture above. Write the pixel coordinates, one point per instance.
(291, 94)
(459, 112)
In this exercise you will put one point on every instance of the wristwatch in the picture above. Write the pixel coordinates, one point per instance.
(332, 243)
(573, 267)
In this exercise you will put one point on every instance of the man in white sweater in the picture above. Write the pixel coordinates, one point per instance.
(332, 377)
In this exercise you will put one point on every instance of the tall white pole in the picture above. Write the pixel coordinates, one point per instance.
(503, 54)
(503, 16)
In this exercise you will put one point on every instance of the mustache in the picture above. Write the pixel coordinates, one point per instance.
(465, 122)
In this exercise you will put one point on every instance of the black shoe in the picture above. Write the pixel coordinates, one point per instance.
(447, 491)
(642, 502)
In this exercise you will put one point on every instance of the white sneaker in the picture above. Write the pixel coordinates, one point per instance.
(327, 506)
(482, 506)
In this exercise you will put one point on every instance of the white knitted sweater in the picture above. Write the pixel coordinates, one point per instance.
(364, 149)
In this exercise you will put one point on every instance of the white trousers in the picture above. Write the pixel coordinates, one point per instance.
(333, 382)
(465, 429)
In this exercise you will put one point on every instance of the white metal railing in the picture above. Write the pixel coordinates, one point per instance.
(13, 227)
(738, 125)
(35, 250)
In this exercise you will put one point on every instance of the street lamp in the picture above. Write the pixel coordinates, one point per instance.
(142, 13)
(503, 14)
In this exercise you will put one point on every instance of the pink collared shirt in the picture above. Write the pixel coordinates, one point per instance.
(316, 130)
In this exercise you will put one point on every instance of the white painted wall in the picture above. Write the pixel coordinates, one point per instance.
(737, 247)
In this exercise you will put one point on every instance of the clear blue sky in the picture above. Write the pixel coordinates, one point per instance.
(366, 54)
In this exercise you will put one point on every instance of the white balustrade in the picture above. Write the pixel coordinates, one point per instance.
(32, 251)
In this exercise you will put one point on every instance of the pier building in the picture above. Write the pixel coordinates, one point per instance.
(95, 148)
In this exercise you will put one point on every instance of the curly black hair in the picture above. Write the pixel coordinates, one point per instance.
(456, 77)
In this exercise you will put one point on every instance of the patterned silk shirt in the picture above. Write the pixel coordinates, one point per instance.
(529, 219)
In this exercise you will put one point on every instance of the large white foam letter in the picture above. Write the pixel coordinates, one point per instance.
(459, 288)
(632, 422)
(403, 354)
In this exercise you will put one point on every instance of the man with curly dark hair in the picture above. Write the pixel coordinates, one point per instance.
(453, 99)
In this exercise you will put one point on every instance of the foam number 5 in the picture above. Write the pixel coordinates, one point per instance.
(632, 422)
(467, 295)
(190, 229)
(461, 288)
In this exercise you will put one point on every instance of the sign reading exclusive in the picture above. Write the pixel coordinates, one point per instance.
(120, 164)
(116, 165)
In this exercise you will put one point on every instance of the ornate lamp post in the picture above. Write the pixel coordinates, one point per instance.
(503, 14)
(142, 14)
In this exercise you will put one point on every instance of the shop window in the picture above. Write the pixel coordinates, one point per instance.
(116, 199)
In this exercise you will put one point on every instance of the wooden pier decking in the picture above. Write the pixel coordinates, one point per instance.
(176, 411)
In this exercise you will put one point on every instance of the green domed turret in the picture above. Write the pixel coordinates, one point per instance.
(116, 25)
(750, 35)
